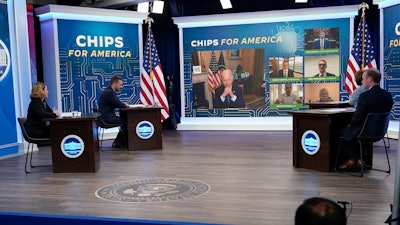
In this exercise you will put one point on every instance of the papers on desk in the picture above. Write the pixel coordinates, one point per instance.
(348, 109)
(136, 106)
(71, 114)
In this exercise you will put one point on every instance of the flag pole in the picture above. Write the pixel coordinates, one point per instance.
(363, 6)
(149, 20)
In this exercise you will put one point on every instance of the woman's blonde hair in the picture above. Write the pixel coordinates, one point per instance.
(37, 90)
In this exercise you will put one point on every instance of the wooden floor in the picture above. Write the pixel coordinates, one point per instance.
(250, 174)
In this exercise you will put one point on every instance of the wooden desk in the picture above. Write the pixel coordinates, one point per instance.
(75, 144)
(323, 105)
(144, 127)
(326, 124)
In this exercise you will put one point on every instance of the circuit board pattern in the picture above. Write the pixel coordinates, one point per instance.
(83, 77)
(391, 57)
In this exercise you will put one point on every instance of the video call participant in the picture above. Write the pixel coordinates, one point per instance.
(353, 98)
(288, 97)
(37, 111)
(320, 211)
(108, 102)
(285, 71)
(374, 100)
(228, 95)
(324, 96)
(322, 65)
(322, 42)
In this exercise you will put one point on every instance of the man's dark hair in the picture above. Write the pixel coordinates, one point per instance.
(115, 79)
(320, 211)
(374, 74)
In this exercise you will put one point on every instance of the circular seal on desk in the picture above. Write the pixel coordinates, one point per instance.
(145, 129)
(72, 146)
(310, 142)
(5, 60)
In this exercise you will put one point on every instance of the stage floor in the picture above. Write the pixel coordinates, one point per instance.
(224, 177)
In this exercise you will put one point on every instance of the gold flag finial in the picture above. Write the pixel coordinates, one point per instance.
(149, 20)
(363, 6)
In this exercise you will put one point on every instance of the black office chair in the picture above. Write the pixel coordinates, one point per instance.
(31, 141)
(374, 129)
(103, 126)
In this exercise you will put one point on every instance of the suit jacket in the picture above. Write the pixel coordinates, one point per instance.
(290, 73)
(327, 74)
(374, 100)
(239, 103)
(37, 111)
(317, 43)
(108, 102)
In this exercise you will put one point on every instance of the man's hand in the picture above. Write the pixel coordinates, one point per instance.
(227, 91)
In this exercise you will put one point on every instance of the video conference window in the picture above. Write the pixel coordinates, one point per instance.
(321, 40)
(321, 92)
(286, 95)
(286, 69)
(246, 82)
(325, 68)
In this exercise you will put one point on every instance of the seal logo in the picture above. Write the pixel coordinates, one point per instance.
(5, 60)
(72, 146)
(145, 129)
(310, 142)
(152, 190)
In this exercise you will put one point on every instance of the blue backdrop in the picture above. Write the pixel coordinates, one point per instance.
(8, 131)
(391, 60)
(90, 54)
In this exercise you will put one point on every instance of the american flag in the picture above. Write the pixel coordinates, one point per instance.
(221, 62)
(152, 84)
(213, 81)
(355, 62)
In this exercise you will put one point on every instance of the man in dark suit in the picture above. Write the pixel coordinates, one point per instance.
(108, 102)
(322, 42)
(228, 95)
(374, 100)
(285, 71)
(322, 65)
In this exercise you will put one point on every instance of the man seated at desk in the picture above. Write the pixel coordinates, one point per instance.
(374, 100)
(228, 95)
(108, 102)
(288, 97)
(324, 96)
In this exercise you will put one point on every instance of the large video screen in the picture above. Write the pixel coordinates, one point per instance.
(276, 67)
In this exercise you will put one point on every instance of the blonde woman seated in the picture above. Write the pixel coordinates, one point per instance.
(37, 111)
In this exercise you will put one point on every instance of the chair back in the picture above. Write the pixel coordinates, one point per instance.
(100, 121)
(375, 127)
(21, 121)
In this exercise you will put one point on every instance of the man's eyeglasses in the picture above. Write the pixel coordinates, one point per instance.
(321, 64)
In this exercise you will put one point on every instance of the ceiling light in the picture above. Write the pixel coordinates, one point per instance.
(143, 7)
(158, 7)
(226, 4)
(300, 1)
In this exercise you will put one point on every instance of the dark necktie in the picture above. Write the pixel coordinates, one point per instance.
(228, 98)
